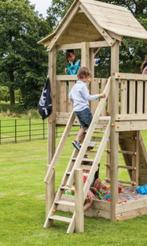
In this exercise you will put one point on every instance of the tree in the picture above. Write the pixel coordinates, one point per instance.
(23, 62)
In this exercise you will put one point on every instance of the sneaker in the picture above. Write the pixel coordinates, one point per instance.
(77, 145)
(91, 145)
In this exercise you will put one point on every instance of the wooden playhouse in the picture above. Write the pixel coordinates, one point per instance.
(119, 118)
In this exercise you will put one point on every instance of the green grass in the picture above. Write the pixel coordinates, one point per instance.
(22, 168)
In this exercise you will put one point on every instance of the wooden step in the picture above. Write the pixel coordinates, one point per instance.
(84, 159)
(65, 203)
(64, 188)
(86, 167)
(60, 218)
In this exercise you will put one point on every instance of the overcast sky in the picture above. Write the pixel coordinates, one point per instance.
(41, 5)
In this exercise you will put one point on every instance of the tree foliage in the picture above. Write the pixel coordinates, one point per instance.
(23, 62)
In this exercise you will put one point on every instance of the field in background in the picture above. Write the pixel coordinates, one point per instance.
(22, 168)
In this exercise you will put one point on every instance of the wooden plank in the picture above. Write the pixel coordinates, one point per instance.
(132, 97)
(131, 76)
(137, 159)
(50, 190)
(114, 135)
(66, 77)
(139, 97)
(92, 85)
(130, 125)
(69, 107)
(123, 97)
(104, 34)
(69, 46)
(85, 55)
(71, 227)
(60, 146)
(127, 117)
(63, 97)
(145, 100)
(50, 193)
(79, 201)
(132, 204)
(52, 118)
(105, 5)
(132, 214)
(97, 159)
(60, 218)
(98, 44)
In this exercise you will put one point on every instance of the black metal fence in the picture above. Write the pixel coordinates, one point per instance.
(20, 130)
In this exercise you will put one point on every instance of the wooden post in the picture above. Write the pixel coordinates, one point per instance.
(137, 158)
(85, 55)
(114, 136)
(92, 85)
(79, 201)
(50, 187)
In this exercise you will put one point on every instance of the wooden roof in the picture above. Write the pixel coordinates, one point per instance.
(90, 20)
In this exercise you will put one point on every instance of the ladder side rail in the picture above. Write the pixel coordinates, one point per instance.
(88, 136)
(97, 159)
(59, 192)
(60, 146)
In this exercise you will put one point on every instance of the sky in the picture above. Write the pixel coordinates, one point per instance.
(41, 5)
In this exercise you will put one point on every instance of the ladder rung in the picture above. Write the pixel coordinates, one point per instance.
(60, 218)
(65, 203)
(123, 182)
(64, 188)
(84, 159)
(86, 167)
(124, 152)
(125, 167)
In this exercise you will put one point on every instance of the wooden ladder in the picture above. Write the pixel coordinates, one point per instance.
(86, 159)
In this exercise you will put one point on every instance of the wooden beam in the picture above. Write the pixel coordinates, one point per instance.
(79, 201)
(85, 55)
(114, 141)
(131, 76)
(131, 117)
(51, 128)
(96, 44)
(66, 77)
(134, 125)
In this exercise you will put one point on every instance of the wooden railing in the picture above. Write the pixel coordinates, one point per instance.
(132, 93)
(64, 85)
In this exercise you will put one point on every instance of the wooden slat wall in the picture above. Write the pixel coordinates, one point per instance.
(133, 97)
(64, 87)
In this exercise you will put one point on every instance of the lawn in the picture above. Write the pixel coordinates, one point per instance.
(22, 168)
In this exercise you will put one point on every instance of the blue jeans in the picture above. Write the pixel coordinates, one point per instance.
(84, 117)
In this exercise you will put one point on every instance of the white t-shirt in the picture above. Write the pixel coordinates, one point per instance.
(80, 97)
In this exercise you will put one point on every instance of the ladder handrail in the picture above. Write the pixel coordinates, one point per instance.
(97, 158)
(94, 122)
(60, 145)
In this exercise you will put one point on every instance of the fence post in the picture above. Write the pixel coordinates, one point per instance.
(15, 130)
(43, 130)
(30, 126)
(0, 132)
(79, 201)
